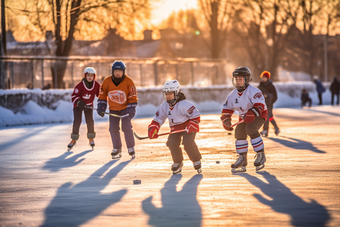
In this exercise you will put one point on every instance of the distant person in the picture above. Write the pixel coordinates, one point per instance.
(252, 109)
(82, 99)
(305, 98)
(121, 94)
(335, 90)
(270, 95)
(181, 114)
(319, 88)
(46, 87)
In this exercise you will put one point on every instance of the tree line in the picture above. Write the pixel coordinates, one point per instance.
(263, 33)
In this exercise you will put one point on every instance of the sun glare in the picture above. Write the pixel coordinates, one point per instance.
(164, 8)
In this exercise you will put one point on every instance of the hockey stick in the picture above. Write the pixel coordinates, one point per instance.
(237, 123)
(111, 114)
(162, 134)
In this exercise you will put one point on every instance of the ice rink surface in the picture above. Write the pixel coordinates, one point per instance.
(43, 184)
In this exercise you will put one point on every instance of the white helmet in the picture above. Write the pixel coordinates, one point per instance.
(171, 86)
(90, 70)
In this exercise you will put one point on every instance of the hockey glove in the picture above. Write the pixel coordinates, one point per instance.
(153, 130)
(101, 107)
(226, 121)
(192, 126)
(81, 104)
(131, 109)
(251, 114)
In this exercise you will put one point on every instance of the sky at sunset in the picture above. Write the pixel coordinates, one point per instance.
(164, 8)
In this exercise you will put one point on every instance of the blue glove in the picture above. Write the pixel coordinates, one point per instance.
(101, 107)
(131, 109)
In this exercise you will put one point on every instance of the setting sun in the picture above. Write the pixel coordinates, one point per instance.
(164, 8)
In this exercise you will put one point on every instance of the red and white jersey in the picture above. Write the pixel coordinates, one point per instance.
(245, 100)
(179, 115)
(87, 95)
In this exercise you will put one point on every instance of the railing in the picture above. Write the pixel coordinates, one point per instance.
(36, 72)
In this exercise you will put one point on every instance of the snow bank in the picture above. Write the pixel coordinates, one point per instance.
(24, 106)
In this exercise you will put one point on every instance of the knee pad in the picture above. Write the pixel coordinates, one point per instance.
(91, 135)
(75, 136)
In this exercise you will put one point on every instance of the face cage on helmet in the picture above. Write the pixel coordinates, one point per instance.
(243, 87)
(171, 101)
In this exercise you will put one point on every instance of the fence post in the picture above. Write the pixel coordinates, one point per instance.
(72, 75)
(141, 74)
(12, 74)
(55, 75)
(32, 79)
(192, 74)
(42, 73)
(155, 72)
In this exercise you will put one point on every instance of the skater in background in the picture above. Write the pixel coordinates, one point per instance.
(335, 90)
(269, 92)
(319, 88)
(120, 91)
(305, 98)
(182, 114)
(82, 99)
(250, 104)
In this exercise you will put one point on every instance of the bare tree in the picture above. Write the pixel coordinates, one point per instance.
(263, 28)
(305, 15)
(69, 17)
(218, 15)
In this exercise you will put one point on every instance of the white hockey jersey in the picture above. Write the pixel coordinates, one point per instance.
(245, 100)
(178, 115)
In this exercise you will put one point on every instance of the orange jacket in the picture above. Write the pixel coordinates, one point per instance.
(118, 96)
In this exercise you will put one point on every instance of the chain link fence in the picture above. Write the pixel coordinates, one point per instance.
(37, 72)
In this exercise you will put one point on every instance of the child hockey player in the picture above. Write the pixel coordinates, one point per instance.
(250, 104)
(182, 115)
(270, 95)
(82, 99)
(121, 93)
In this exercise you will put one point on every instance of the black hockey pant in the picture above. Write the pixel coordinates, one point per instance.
(174, 142)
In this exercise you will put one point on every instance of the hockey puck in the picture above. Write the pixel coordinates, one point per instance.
(137, 181)
(229, 133)
(217, 162)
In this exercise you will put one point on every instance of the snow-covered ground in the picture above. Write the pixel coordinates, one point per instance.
(33, 113)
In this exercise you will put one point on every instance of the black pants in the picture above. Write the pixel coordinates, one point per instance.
(305, 101)
(249, 129)
(320, 98)
(174, 142)
(77, 117)
(270, 118)
(337, 98)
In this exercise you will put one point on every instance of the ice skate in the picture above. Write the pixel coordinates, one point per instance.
(131, 151)
(116, 153)
(198, 166)
(176, 168)
(71, 145)
(264, 133)
(240, 164)
(260, 159)
(277, 131)
(91, 141)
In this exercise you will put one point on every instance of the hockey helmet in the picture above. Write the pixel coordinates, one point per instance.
(118, 65)
(242, 72)
(90, 70)
(171, 86)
